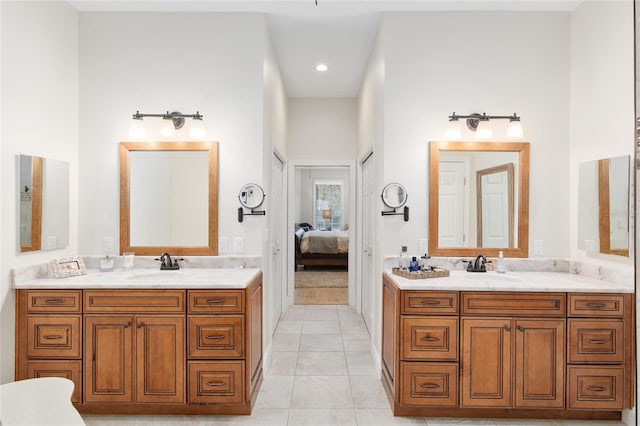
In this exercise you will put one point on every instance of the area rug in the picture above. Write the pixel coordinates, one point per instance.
(314, 279)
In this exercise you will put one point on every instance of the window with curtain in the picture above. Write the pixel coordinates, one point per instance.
(328, 202)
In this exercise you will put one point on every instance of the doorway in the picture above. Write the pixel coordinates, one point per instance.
(321, 226)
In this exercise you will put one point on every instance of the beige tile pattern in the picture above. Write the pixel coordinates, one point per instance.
(321, 372)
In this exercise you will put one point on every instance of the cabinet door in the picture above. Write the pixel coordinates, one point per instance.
(108, 358)
(539, 360)
(486, 362)
(160, 360)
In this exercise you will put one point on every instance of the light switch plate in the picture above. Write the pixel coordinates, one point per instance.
(223, 245)
(238, 245)
(538, 247)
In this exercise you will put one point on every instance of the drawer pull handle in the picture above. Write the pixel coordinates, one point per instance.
(430, 339)
(596, 388)
(218, 337)
(429, 386)
(54, 301)
(51, 337)
(430, 302)
(215, 383)
(596, 305)
(597, 342)
(215, 301)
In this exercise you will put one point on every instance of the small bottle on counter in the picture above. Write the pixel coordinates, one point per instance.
(404, 259)
(414, 266)
(500, 264)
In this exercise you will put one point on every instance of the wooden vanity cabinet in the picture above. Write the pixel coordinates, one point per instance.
(49, 336)
(507, 354)
(154, 351)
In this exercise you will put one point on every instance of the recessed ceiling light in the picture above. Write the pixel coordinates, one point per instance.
(321, 67)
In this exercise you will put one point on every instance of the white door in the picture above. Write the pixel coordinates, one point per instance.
(278, 278)
(368, 226)
(495, 209)
(451, 219)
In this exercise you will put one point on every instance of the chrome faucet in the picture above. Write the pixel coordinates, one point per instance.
(167, 264)
(479, 265)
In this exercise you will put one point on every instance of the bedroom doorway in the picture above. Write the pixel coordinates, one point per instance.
(322, 207)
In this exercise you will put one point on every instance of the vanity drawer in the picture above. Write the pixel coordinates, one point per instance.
(429, 302)
(595, 387)
(54, 336)
(116, 301)
(216, 301)
(71, 370)
(596, 305)
(432, 338)
(216, 336)
(429, 384)
(510, 304)
(47, 301)
(216, 382)
(596, 341)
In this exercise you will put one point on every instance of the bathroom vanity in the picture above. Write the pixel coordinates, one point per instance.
(146, 341)
(489, 345)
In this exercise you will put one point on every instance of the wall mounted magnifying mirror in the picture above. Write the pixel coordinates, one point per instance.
(479, 198)
(251, 196)
(603, 206)
(169, 198)
(44, 203)
(395, 196)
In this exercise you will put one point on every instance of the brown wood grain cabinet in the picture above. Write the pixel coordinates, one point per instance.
(507, 354)
(146, 351)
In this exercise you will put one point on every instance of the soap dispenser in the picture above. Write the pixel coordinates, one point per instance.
(500, 264)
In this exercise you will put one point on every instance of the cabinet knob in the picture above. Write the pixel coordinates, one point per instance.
(139, 325)
(521, 328)
(507, 327)
(125, 325)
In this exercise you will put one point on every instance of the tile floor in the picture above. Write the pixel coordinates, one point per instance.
(321, 372)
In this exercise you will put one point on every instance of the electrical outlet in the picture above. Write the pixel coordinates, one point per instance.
(223, 245)
(422, 246)
(108, 245)
(538, 247)
(238, 245)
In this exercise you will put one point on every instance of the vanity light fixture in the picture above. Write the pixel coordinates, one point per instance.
(171, 121)
(479, 123)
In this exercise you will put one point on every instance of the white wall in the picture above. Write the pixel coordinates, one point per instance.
(39, 56)
(602, 97)
(322, 129)
(207, 62)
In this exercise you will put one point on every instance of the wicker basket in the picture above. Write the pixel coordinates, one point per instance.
(421, 275)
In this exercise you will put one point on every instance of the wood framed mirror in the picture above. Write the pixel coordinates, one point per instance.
(460, 174)
(169, 198)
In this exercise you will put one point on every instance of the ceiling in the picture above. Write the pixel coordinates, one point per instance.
(339, 33)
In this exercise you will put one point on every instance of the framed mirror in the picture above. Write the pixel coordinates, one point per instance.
(44, 204)
(603, 206)
(479, 198)
(169, 198)
(394, 195)
(251, 196)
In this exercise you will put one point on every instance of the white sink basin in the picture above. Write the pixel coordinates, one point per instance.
(491, 276)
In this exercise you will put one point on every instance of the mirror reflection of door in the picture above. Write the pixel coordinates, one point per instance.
(613, 205)
(494, 193)
(31, 170)
(453, 221)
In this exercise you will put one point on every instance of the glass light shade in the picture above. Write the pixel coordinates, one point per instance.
(515, 130)
(484, 130)
(196, 131)
(137, 130)
(166, 128)
(454, 131)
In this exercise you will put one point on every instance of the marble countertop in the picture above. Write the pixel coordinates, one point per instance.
(512, 281)
(186, 278)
